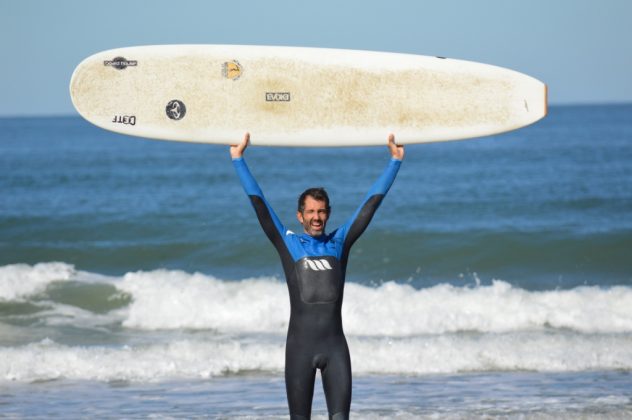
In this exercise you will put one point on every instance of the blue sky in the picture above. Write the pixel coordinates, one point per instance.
(580, 48)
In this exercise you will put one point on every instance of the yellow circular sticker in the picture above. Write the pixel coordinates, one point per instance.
(232, 70)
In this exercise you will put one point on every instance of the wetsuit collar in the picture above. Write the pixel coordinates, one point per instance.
(320, 238)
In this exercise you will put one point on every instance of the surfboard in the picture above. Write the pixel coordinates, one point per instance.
(295, 96)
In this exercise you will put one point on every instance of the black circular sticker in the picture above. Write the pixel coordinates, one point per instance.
(176, 109)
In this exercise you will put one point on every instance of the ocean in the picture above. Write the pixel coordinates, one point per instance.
(494, 282)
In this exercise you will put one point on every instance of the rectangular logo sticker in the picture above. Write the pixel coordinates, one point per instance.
(277, 96)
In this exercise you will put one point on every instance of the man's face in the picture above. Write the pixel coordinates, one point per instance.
(314, 216)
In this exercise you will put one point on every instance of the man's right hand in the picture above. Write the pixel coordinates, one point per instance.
(237, 150)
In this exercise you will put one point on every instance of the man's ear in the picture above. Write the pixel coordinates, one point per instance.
(299, 216)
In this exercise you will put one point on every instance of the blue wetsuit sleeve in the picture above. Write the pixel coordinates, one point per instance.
(268, 219)
(384, 182)
(356, 225)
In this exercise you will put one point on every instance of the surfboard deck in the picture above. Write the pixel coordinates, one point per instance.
(291, 96)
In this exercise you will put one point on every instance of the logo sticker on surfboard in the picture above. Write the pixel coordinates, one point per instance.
(232, 70)
(124, 119)
(176, 110)
(277, 96)
(120, 63)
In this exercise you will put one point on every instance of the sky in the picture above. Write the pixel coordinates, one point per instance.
(579, 48)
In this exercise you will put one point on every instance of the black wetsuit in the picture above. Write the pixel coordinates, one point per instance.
(315, 272)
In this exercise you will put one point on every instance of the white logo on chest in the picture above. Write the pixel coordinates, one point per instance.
(319, 265)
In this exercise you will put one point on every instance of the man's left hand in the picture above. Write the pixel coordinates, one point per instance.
(397, 150)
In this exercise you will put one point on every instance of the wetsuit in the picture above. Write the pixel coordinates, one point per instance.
(315, 272)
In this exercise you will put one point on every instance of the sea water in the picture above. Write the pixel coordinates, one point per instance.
(495, 280)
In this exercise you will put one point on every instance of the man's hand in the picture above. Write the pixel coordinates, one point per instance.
(237, 150)
(397, 151)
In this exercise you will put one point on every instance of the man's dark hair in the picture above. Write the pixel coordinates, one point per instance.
(318, 194)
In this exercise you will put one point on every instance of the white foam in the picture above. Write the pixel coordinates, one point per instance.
(449, 353)
(525, 351)
(171, 299)
(18, 281)
(48, 360)
(391, 329)
(400, 310)
(174, 299)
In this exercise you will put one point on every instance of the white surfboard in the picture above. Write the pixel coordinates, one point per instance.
(289, 96)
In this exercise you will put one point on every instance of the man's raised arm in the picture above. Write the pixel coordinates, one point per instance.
(268, 219)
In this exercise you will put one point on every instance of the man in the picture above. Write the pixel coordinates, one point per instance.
(315, 264)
